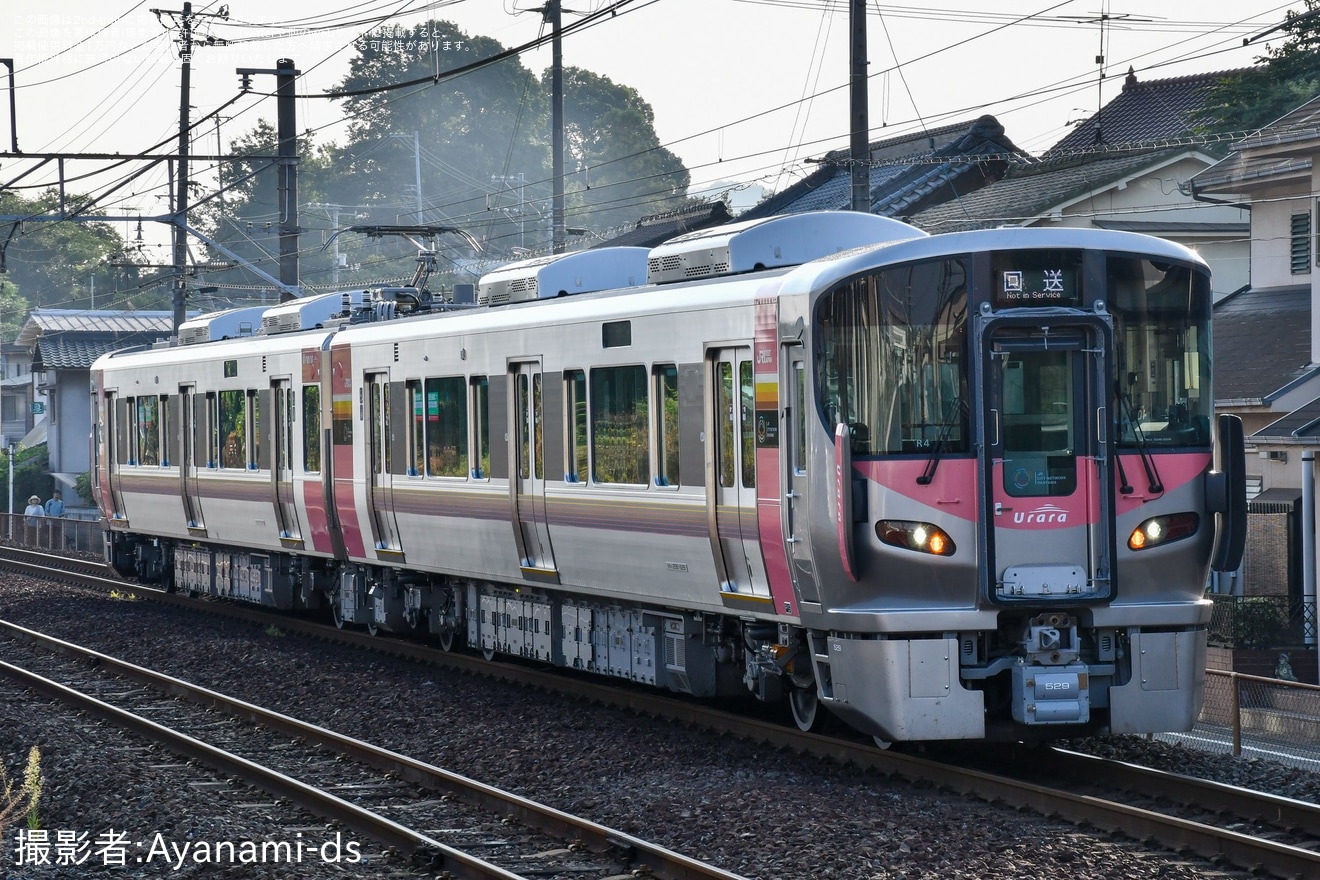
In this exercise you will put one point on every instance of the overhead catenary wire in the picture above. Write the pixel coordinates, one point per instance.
(674, 142)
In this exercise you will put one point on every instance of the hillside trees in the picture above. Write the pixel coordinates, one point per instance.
(614, 154)
(58, 264)
(1286, 76)
(471, 151)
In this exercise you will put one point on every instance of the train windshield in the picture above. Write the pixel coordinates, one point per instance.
(1162, 360)
(890, 359)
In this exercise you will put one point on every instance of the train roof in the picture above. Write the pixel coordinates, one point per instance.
(697, 294)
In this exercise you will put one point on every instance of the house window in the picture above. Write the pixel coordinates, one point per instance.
(1301, 244)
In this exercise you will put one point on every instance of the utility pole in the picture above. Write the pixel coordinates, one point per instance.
(184, 18)
(859, 145)
(13, 111)
(287, 128)
(552, 16)
(286, 160)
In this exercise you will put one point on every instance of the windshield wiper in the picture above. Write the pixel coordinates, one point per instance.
(1143, 449)
(941, 439)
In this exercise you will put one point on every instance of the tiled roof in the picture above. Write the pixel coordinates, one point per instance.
(912, 171)
(1144, 112)
(42, 322)
(652, 231)
(1262, 342)
(1301, 422)
(1265, 154)
(1028, 191)
(78, 351)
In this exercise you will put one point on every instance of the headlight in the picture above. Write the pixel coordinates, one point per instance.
(919, 536)
(1162, 530)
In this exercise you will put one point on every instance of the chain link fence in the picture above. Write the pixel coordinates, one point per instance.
(75, 537)
(1256, 717)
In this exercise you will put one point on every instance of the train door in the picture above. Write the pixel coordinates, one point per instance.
(1049, 499)
(794, 446)
(188, 434)
(282, 425)
(532, 529)
(380, 491)
(731, 488)
(114, 440)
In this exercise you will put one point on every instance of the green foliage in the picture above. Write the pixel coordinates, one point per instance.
(609, 137)
(1250, 621)
(83, 486)
(53, 264)
(475, 134)
(30, 476)
(13, 310)
(1286, 76)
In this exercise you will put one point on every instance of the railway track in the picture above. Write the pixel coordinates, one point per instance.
(1249, 830)
(371, 790)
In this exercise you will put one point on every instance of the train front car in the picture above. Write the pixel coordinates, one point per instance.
(1019, 502)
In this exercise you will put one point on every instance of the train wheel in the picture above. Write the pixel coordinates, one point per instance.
(446, 639)
(807, 711)
(372, 629)
(488, 653)
(882, 743)
(336, 612)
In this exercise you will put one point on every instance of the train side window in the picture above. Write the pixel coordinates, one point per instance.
(575, 402)
(212, 430)
(666, 425)
(799, 420)
(746, 391)
(312, 429)
(446, 428)
(259, 403)
(620, 440)
(233, 429)
(148, 425)
(134, 413)
(418, 415)
(169, 440)
(479, 389)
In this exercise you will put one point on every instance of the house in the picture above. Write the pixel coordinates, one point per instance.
(1267, 350)
(1126, 168)
(18, 416)
(62, 345)
(908, 173)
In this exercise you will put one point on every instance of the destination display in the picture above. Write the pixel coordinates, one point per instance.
(1043, 286)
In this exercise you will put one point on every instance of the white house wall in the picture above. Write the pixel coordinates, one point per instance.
(1158, 196)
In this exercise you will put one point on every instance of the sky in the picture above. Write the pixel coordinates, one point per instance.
(746, 92)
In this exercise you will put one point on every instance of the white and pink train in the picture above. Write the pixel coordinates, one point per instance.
(962, 486)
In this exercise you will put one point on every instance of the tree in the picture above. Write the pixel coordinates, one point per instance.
(622, 172)
(13, 311)
(53, 263)
(473, 131)
(1286, 77)
(477, 134)
(246, 216)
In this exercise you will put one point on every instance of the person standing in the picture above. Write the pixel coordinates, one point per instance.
(55, 510)
(32, 517)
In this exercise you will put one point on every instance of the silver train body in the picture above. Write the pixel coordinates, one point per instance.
(944, 487)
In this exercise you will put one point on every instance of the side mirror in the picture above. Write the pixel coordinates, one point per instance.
(1226, 494)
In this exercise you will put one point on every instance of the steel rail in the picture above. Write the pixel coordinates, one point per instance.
(637, 853)
(1203, 794)
(1178, 835)
(321, 803)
